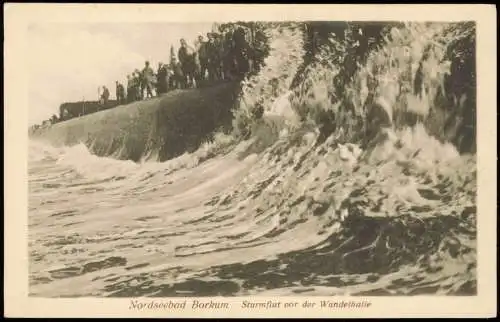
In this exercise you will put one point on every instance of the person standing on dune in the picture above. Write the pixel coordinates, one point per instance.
(148, 79)
(213, 58)
(228, 62)
(161, 79)
(177, 77)
(131, 88)
(139, 85)
(171, 69)
(202, 63)
(120, 93)
(241, 52)
(104, 95)
(219, 47)
(186, 58)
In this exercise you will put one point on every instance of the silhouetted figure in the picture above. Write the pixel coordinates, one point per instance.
(241, 52)
(171, 69)
(131, 94)
(120, 93)
(187, 60)
(214, 59)
(228, 62)
(201, 49)
(161, 79)
(104, 95)
(219, 45)
(177, 77)
(169, 74)
(54, 119)
(138, 85)
(148, 79)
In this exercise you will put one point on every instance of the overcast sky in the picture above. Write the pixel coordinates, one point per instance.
(68, 62)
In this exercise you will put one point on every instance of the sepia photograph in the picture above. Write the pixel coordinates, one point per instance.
(252, 158)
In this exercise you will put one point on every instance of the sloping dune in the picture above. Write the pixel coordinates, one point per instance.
(165, 126)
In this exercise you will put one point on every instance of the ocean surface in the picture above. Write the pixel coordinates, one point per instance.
(256, 218)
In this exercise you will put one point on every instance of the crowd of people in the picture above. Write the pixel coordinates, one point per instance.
(229, 53)
(221, 56)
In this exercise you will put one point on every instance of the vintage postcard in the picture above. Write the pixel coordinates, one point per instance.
(250, 160)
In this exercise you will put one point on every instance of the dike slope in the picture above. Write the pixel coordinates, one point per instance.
(159, 128)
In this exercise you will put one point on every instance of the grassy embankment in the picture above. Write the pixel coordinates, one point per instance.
(164, 127)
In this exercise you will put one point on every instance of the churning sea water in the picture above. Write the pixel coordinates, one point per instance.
(297, 217)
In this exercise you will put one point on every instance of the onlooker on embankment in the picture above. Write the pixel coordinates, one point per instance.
(104, 95)
(138, 85)
(202, 58)
(186, 56)
(148, 80)
(161, 79)
(214, 59)
(131, 95)
(120, 93)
